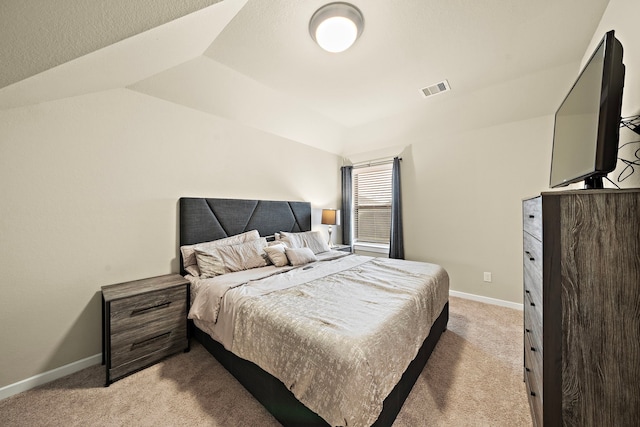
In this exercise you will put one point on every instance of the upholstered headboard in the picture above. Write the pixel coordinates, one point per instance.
(204, 219)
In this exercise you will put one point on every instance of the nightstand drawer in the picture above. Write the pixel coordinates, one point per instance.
(133, 343)
(148, 359)
(139, 310)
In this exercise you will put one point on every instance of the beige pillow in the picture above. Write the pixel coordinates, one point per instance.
(189, 253)
(193, 270)
(276, 254)
(306, 239)
(209, 262)
(300, 256)
(244, 256)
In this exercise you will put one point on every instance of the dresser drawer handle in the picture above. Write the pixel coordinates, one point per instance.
(533, 393)
(527, 369)
(532, 216)
(152, 308)
(150, 340)
(529, 297)
(533, 349)
(528, 330)
(531, 258)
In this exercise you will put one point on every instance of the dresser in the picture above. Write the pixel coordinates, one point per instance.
(582, 307)
(143, 321)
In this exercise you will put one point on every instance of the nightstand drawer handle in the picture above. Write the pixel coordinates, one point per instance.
(148, 309)
(150, 340)
(531, 258)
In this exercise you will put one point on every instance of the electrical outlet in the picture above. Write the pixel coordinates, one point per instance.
(487, 276)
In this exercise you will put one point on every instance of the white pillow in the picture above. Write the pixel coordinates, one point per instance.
(306, 239)
(189, 254)
(277, 255)
(300, 256)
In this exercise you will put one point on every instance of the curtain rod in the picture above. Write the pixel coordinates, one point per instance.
(373, 163)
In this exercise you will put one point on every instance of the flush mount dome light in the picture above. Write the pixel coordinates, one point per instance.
(336, 26)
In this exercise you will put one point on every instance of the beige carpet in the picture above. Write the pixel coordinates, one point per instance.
(473, 378)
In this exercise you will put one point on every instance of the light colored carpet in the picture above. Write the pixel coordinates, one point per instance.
(473, 378)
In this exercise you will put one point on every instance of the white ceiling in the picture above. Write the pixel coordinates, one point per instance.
(254, 61)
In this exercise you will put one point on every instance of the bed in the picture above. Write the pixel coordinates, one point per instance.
(207, 219)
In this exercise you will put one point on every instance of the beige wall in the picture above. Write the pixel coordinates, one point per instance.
(461, 200)
(89, 191)
(464, 178)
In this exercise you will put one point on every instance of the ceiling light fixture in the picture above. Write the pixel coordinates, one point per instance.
(336, 26)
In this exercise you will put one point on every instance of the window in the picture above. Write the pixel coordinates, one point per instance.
(372, 204)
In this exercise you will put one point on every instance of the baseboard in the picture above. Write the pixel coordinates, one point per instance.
(487, 300)
(45, 377)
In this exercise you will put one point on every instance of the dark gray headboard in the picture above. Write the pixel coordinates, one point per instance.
(204, 219)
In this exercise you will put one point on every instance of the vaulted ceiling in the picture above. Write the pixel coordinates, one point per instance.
(254, 61)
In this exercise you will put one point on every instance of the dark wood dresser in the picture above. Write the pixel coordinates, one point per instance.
(582, 307)
(143, 321)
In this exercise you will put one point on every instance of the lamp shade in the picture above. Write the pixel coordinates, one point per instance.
(329, 216)
(336, 26)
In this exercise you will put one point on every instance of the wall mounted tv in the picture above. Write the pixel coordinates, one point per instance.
(587, 124)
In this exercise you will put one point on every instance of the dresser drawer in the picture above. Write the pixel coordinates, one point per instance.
(533, 325)
(533, 379)
(533, 356)
(532, 251)
(533, 382)
(532, 307)
(532, 268)
(139, 310)
(532, 217)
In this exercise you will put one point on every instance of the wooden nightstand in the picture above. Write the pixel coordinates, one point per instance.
(343, 248)
(143, 321)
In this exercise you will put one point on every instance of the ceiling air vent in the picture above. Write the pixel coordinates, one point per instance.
(443, 86)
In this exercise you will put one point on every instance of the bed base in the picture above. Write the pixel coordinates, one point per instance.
(283, 405)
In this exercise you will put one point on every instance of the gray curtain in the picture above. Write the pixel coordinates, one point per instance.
(347, 203)
(396, 243)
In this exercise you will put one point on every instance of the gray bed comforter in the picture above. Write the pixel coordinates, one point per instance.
(340, 334)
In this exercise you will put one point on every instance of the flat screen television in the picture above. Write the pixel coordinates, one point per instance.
(587, 123)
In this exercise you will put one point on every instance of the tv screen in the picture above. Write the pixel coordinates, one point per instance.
(587, 123)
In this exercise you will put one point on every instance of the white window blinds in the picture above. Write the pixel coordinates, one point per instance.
(372, 204)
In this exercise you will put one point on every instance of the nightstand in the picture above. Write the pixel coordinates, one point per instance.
(343, 248)
(143, 321)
